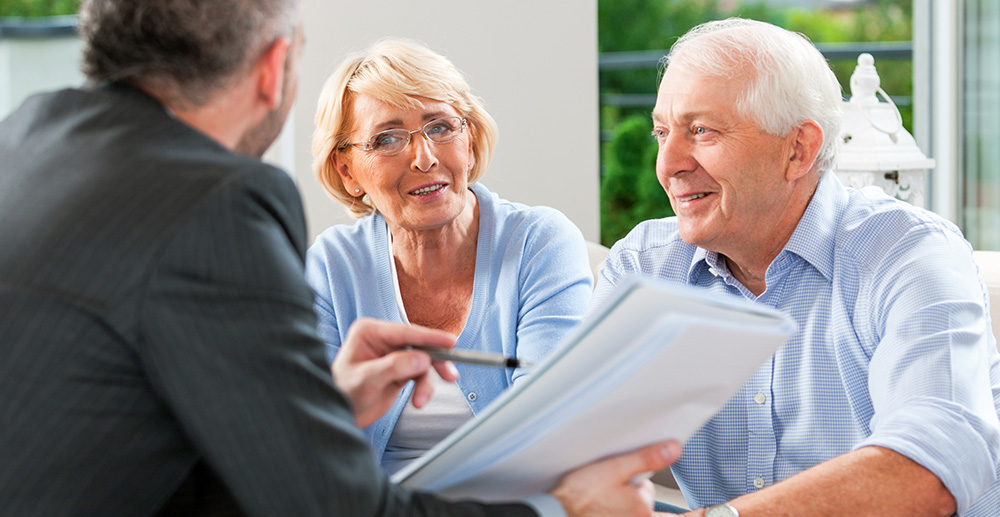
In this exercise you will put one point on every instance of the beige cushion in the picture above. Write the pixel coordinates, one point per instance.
(597, 253)
(989, 268)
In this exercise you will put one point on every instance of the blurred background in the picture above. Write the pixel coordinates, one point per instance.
(572, 86)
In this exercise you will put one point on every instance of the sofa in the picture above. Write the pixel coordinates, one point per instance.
(989, 268)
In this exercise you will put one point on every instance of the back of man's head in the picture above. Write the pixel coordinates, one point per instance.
(182, 51)
(787, 80)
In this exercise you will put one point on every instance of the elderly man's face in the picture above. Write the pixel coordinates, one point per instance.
(724, 176)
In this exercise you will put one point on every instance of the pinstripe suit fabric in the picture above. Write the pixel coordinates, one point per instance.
(158, 341)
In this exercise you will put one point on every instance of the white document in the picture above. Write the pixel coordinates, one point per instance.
(655, 362)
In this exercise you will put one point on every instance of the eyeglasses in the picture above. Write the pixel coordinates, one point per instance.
(393, 141)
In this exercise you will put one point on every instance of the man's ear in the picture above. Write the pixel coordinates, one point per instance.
(271, 72)
(806, 141)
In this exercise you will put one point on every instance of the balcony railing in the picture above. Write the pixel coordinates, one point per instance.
(43, 27)
(645, 59)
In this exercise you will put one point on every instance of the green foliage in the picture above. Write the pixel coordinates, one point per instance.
(35, 8)
(630, 192)
(632, 25)
(882, 20)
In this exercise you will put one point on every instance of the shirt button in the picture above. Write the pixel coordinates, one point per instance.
(472, 396)
(713, 271)
(760, 398)
(758, 483)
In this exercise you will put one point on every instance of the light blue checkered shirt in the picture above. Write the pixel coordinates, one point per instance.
(894, 349)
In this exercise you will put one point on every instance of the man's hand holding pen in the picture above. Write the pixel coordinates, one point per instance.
(378, 358)
(376, 361)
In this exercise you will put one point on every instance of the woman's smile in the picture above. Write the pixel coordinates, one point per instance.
(429, 190)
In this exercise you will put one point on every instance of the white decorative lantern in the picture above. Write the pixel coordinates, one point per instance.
(875, 148)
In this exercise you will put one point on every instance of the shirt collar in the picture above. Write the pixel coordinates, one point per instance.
(699, 263)
(814, 238)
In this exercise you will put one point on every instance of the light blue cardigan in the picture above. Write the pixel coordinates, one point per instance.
(532, 285)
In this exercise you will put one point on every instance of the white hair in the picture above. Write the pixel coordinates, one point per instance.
(788, 80)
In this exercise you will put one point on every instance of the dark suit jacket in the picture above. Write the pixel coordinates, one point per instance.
(157, 337)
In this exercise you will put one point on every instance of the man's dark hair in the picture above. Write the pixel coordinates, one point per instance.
(181, 50)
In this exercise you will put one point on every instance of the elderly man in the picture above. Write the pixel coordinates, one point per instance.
(158, 341)
(885, 400)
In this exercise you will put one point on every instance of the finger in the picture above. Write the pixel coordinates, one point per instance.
(640, 477)
(648, 492)
(447, 370)
(408, 365)
(390, 371)
(632, 466)
(423, 390)
(374, 385)
(385, 336)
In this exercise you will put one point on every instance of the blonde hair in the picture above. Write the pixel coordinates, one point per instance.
(396, 72)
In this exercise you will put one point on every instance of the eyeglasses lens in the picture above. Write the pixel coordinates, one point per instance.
(439, 131)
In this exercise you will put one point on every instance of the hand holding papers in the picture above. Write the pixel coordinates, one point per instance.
(656, 362)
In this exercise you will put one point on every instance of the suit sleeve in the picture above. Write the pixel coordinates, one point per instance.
(229, 340)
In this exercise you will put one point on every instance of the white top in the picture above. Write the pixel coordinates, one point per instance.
(417, 430)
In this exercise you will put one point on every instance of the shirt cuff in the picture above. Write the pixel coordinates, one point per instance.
(954, 444)
(545, 505)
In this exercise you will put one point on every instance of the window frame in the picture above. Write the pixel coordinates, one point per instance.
(937, 98)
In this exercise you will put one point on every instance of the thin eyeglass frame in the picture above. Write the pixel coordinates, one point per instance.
(367, 144)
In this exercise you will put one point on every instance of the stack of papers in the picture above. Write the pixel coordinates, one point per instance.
(655, 362)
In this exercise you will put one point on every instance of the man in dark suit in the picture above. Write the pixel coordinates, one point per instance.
(158, 344)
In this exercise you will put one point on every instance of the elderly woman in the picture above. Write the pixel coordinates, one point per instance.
(401, 141)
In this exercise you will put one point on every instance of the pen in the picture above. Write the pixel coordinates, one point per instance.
(466, 356)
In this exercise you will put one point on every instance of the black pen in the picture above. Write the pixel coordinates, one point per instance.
(469, 357)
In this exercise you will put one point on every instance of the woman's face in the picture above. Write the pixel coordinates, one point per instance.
(424, 186)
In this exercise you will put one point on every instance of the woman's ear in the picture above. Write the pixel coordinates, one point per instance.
(343, 168)
(472, 149)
